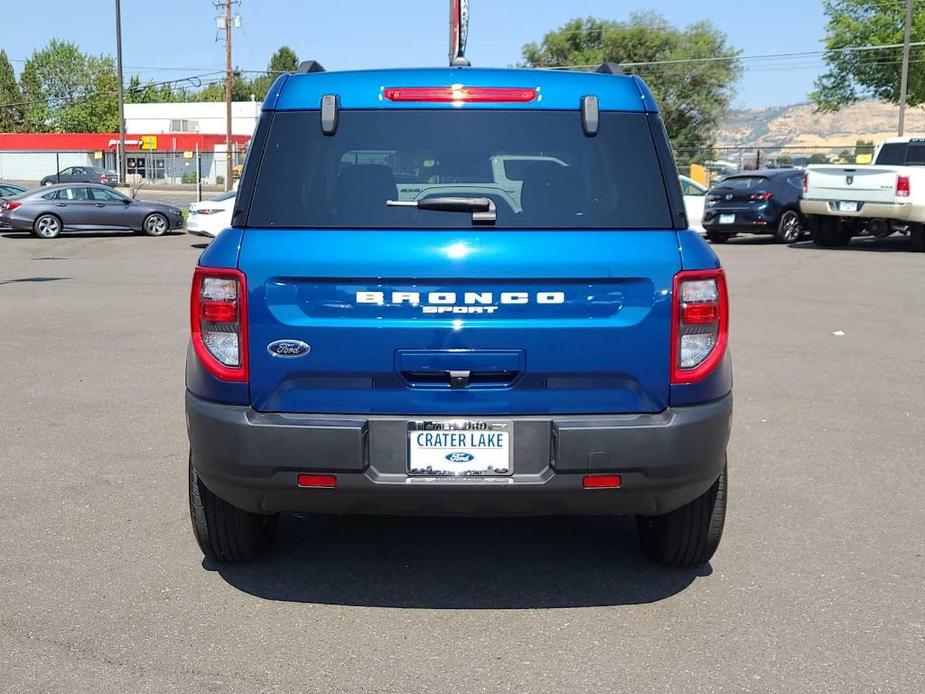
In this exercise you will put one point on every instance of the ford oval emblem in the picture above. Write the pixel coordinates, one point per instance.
(288, 349)
(459, 457)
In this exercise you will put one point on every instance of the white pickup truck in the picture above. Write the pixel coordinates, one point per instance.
(879, 199)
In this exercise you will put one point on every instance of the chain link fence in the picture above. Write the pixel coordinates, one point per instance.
(725, 160)
(152, 168)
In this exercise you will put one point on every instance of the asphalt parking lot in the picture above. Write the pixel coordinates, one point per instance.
(816, 587)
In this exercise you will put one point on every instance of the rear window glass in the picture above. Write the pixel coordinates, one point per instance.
(902, 153)
(538, 167)
(744, 182)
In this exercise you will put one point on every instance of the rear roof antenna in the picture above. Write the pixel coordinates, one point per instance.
(459, 32)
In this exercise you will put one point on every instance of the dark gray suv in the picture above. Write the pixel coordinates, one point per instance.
(46, 212)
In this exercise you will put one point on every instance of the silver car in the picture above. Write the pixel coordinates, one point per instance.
(48, 211)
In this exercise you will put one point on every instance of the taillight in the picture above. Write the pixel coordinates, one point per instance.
(103, 179)
(10, 205)
(700, 324)
(218, 320)
(762, 196)
(903, 187)
(461, 94)
(805, 182)
(205, 210)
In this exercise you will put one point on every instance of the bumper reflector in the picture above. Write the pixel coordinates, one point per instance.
(317, 481)
(602, 481)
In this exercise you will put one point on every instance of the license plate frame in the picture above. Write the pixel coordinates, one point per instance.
(727, 219)
(848, 206)
(460, 448)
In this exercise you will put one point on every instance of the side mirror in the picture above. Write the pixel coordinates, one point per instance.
(126, 201)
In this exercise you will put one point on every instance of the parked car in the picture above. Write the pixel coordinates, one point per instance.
(82, 174)
(46, 212)
(8, 190)
(694, 198)
(363, 344)
(889, 195)
(766, 201)
(209, 217)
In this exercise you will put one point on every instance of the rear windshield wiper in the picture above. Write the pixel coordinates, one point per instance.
(484, 210)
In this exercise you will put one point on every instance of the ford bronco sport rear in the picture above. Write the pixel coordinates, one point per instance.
(459, 292)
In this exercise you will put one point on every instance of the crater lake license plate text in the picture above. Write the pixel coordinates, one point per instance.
(459, 447)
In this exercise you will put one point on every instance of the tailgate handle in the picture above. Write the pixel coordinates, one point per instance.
(459, 378)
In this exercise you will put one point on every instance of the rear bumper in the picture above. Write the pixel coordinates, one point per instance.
(252, 460)
(750, 221)
(904, 212)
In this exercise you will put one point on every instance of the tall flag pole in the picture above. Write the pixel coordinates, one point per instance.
(459, 32)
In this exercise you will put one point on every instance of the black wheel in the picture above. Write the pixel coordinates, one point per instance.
(46, 226)
(226, 533)
(156, 224)
(917, 237)
(829, 232)
(690, 535)
(717, 237)
(789, 228)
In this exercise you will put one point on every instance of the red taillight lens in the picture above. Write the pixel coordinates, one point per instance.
(602, 481)
(762, 196)
(218, 321)
(903, 187)
(700, 324)
(10, 205)
(461, 94)
(805, 183)
(317, 481)
(103, 179)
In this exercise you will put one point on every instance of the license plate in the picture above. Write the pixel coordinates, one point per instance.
(848, 206)
(727, 219)
(460, 447)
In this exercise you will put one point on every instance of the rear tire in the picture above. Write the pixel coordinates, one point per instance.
(829, 232)
(789, 228)
(689, 535)
(226, 533)
(47, 226)
(917, 237)
(717, 237)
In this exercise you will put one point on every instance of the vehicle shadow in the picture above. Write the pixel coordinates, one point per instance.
(456, 563)
(33, 279)
(200, 246)
(21, 235)
(870, 244)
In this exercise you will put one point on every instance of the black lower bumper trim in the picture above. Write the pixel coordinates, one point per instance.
(253, 459)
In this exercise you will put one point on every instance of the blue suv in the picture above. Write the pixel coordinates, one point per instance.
(459, 291)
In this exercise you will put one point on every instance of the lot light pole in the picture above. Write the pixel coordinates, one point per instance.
(904, 80)
(229, 167)
(121, 153)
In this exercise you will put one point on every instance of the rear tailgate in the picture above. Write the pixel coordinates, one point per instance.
(545, 322)
(856, 183)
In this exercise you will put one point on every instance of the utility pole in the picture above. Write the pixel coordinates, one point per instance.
(904, 81)
(121, 153)
(228, 21)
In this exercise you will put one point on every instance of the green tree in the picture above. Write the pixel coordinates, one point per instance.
(241, 89)
(864, 147)
(853, 75)
(65, 90)
(694, 94)
(153, 92)
(284, 60)
(818, 158)
(10, 97)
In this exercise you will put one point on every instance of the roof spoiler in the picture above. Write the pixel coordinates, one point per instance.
(307, 66)
(611, 69)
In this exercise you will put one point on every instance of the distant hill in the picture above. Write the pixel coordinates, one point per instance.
(800, 125)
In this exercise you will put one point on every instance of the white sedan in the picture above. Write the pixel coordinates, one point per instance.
(209, 217)
(694, 197)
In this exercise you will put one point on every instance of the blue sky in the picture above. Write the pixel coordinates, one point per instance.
(364, 33)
